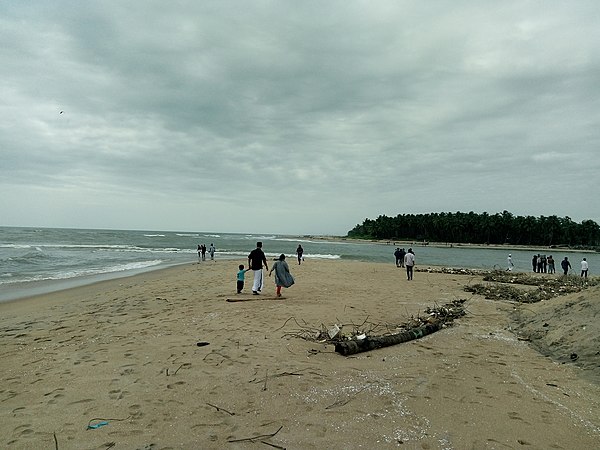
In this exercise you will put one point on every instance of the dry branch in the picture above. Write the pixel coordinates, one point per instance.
(255, 438)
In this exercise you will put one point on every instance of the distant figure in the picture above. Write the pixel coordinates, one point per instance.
(584, 268)
(566, 265)
(199, 252)
(299, 253)
(409, 262)
(256, 259)
(211, 251)
(534, 263)
(402, 255)
(240, 278)
(510, 262)
(544, 264)
(398, 255)
(283, 277)
(539, 263)
(551, 268)
(203, 251)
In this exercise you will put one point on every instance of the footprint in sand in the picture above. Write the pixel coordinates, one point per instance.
(117, 394)
(135, 411)
(83, 400)
(23, 430)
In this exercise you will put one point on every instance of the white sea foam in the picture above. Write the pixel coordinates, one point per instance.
(64, 275)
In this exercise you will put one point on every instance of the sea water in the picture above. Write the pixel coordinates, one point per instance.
(38, 260)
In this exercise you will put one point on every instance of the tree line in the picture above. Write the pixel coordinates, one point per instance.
(484, 228)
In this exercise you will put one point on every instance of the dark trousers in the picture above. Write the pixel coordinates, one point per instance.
(240, 286)
(409, 272)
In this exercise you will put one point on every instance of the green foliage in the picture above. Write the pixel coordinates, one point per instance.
(499, 228)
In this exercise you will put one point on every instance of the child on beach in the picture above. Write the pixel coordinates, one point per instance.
(283, 277)
(240, 278)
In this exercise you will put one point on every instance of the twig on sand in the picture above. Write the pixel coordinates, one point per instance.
(177, 370)
(255, 438)
(218, 408)
(345, 401)
(55, 441)
(282, 374)
(273, 445)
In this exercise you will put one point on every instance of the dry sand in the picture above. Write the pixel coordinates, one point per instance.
(125, 352)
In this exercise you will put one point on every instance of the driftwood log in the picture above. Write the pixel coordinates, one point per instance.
(371, 343)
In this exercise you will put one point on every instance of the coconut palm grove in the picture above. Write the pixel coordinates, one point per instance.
(487, 229)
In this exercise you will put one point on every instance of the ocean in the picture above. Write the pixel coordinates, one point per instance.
(40, 260)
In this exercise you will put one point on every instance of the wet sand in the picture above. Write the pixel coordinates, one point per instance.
(123, 354)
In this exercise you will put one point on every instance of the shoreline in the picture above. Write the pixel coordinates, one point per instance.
(17, 291)
(407, 244)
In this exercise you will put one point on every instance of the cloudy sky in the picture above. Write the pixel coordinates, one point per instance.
(295, 117)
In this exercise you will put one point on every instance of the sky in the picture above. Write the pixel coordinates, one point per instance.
(295, 117)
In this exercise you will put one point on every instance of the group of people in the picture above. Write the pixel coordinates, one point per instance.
(566, 266)
(202, 252)
(545, 264)
(257, 260)
(405, 259)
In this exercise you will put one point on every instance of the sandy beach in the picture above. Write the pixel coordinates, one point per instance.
(117, 365)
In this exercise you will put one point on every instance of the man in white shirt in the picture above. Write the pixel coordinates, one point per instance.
(510, 262)
(584, 268)
(409, 262)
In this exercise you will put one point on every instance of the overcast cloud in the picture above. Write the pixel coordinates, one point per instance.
(295, 116)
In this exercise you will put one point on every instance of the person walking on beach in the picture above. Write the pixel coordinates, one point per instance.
(409, 262)
(510, 262)
(534, 263)
(240, 278)
(566, 265)
(199, 252)
(299, 253)
(256, 260)
(584, 268)
(211, 251)
(398, 255)
(402, 255)
(203, 251)
(283, 277)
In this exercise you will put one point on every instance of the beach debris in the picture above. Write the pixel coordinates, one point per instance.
(502, 287)
(202, 344)
(96, 425)
(258, 438)
(218, 408)
(345, 401)
(333, 331)
(453, 270)
(436, 319)
(368, 336)
(98, 422)
(351, 347)
(177, 370)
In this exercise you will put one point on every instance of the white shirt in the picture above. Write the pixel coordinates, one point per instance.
(409, 259)
(584, 265)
